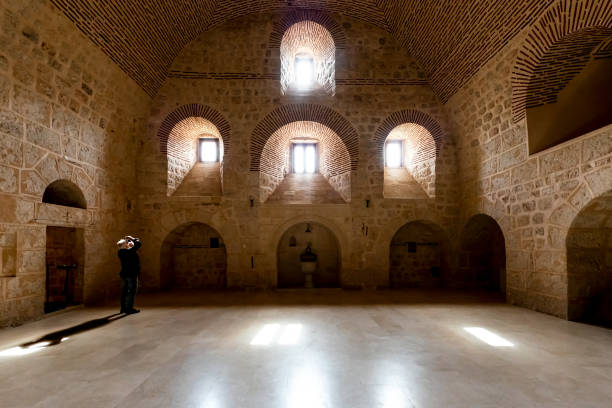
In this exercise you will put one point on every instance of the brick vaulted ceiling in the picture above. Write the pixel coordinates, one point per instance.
(451, 39)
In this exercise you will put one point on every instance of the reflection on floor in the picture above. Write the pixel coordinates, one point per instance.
(305, 189)
(310, 349)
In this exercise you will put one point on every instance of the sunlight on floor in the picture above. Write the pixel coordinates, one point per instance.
(290, 335)
(488, 337)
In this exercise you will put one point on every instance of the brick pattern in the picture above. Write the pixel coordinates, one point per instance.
(295, 16)
(316, 39)
(299, 113)
(557, 47)
(230, 76)
(453, 39)
(145, 37)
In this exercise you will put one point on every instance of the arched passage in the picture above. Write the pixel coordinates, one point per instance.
(418, 256)
(193, 256)
(66, 193)
(180, 136)
(324, 244)
(589, 263)
(482, 258)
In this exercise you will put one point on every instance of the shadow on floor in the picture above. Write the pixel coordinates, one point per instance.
(56, 337)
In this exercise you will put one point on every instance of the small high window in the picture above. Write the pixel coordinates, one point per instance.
(304, 71)
(308, 59)
(209, 150)
(304, 158)
(393, 153)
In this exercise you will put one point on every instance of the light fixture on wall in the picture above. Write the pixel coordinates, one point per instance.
(367, 203)
(308, 228)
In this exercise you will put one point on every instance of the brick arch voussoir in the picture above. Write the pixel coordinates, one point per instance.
(194, 110)
(408, 116)
(297, 15)
(296, 113)
(562, 19)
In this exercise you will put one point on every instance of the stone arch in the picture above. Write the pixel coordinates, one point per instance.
(567, 28)
(482, 255)
(178, 136)
(299, 113)
(193, 256)
(64, 192)
(323, 243)
(589, 263)
(419, 255)
(297, 15)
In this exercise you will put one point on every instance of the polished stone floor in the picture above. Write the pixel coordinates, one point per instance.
(323, 349)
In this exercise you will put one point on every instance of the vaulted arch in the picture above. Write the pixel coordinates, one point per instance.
(297, 15)
(556, 49)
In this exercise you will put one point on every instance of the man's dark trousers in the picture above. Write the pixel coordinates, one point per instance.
(128, 291)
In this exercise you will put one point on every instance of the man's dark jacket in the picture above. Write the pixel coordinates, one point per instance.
(130, 263)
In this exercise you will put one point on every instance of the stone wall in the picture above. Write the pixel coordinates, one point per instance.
(234, 70)
(419, 257)
(193, 257)
(534, 198)
(66, 112)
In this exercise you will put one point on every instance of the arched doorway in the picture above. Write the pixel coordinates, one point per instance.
(65, 251)
(482, 259)
(193, 256)
(323, 243)
(418, 256)
(589, 263)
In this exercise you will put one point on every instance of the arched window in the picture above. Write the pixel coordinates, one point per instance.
(195, 158)
(305, 162)
(410, 162)
(308, 58)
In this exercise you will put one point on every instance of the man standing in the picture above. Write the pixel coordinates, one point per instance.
(130, 269)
